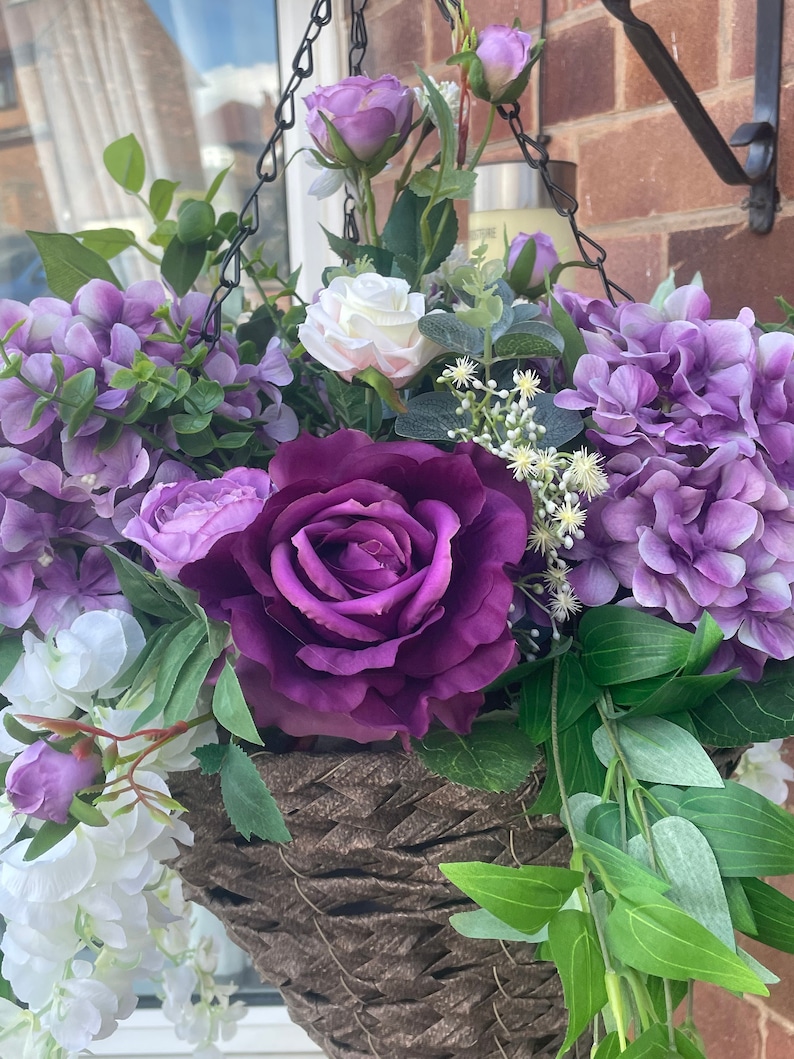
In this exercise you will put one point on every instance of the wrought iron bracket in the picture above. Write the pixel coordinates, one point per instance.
(760, 134)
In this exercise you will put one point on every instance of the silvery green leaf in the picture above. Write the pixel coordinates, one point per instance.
(663, 291)
(452, 333)
(659, 751)
(523, 311)
(483, 924)
(695, 883)
(767, 977)
(579, 806)
(562, 424)
(430, 417)
(638, 850)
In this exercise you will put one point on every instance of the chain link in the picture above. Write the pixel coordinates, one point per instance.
(267, 169)
(355, 57)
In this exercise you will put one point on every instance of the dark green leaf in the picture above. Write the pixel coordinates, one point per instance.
(430, 417)
(195, 223)
(708, 637)
(140, 588)
(47, 836)
(575, 693)
(609, 1047)
(575, 949)
(659, 751)
(68, 264)
(620, 644)
(188, 684)
(453, 334)
(682, 693)
(525, 898)
(77, 398)
(655, 936)
(125, 162)
(604, 822)
(575, 345)
(750, 713)
(616, 869)
(655, 987)
(522, 343)
(230, 708)
(740, 907)
(17, 730)
(652, 1044)
(772, 913)
(210, 757)
(182, 265)
(582, 769)
(250, 805)
(107, 242)
(495, 756)
(180, 649)
(402, 232)
(749, 834)
(161, 195)
(562, 424)
(348, 251)
(11, 649)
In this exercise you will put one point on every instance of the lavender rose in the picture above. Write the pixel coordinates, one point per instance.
(370, 120)
(41, 781)
(370, 595)
(537, 263)
(179, 522)
(504, 58)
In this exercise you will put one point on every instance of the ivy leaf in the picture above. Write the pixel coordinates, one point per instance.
(659, 751)
(125, 162)
(68, 264)
(250, 805)
(495, 756)
(525, 898)
(575, 950)
(650, 933)
(620, 645)
(230, 708)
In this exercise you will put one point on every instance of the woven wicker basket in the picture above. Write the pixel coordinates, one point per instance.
(350, 920)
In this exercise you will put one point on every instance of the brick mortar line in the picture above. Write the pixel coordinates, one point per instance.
(680, 221)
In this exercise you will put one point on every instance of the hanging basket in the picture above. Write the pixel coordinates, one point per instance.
(350, 921)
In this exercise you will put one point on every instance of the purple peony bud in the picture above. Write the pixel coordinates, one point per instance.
(371, 119)
(546, 257)
(505, 58)
(42, 781)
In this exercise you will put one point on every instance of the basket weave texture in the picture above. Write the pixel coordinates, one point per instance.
(350, 921)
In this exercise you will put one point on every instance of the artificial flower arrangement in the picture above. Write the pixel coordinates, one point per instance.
(449, 504)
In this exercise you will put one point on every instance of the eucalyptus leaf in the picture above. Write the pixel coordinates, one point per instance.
(562, 424)
(621, 645)
(659, 751)
(446, 330)
(430, 417)
(525, 898)
(494, 756)
(576, 952)
(655, 936)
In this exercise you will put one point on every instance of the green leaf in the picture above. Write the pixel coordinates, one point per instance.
(195, 223)
(575, 694)
(655, 936)
(749, 834)
(77, 398)
(349, 402)
(215, 186)
(402, 233)
(161, 196)
(204, 396)
(68, 264)
(230, 708)
(772, 913)
(659, 751)
(620, 645)
(11, 648)
(575, 950)
(141, 588)
(691, 868)
(48, 835)
(525, 898)
(708, 637)
(750, 713)
(580, 806)
(107, 242)
(443, 183)
(348, 251)
(495, 756)
(182, 265)
(617, 869)
(482, 924)
(609, 1047)
(85, 813)
(604, 822)
(652, 1044)
(446, 330)
(739, 906)
(582, 769)
(382, 386)
(125, 162)
(250, 805)
(210, 757)
(575, 345)
(678, 693)
(18, 731)
(188, 685)
(520, 343)
(180, 649)
(430, 417)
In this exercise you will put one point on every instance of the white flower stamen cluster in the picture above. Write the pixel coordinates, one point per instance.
(98, 910)
(502, 420)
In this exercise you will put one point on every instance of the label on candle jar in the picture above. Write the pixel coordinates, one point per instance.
(497, 228)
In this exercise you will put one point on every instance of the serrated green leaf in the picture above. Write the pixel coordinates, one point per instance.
(210, 757)
(621, 645)
(402, 233)
(772, 915)
(230, 708)
(250, 805)
(181, 265)
(161, 196)
(348, 251)
(525, 898)
(576, 952)
(180, 649)
(749, 834)
(125, 162)
(658, 751)
(495, 756)
(430, 417)
(655, 936)
(443, 183)
(68, 264)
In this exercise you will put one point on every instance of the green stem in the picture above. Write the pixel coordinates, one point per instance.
(485, 138)
(407, 170)
(429, 240)
(369, 213)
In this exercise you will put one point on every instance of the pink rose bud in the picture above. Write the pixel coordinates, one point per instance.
(41, 781)
(500, 69)
(359, 121)
(543, 258)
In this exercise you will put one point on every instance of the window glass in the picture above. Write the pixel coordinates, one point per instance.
(196, 81)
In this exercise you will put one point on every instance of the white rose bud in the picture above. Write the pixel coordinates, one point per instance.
(368, 321)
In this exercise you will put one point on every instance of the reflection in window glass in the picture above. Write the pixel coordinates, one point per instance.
(196, 81)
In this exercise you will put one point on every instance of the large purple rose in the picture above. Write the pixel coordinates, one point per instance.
(370, 595)
(179, 522)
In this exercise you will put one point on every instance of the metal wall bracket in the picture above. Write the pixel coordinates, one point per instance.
(760, 134)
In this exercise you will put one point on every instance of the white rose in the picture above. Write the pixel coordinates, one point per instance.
(368, 321)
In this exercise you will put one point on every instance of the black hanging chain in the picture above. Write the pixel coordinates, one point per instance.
(267, 169)
(355, 57)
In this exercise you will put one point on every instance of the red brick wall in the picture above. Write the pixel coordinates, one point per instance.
(646, 191)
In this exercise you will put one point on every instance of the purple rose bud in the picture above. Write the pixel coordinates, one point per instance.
(42, 781)
(505, 58)
(545, 258)
(371, 119)
(179, 522)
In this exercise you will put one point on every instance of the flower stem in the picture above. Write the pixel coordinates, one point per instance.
(485, 138)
